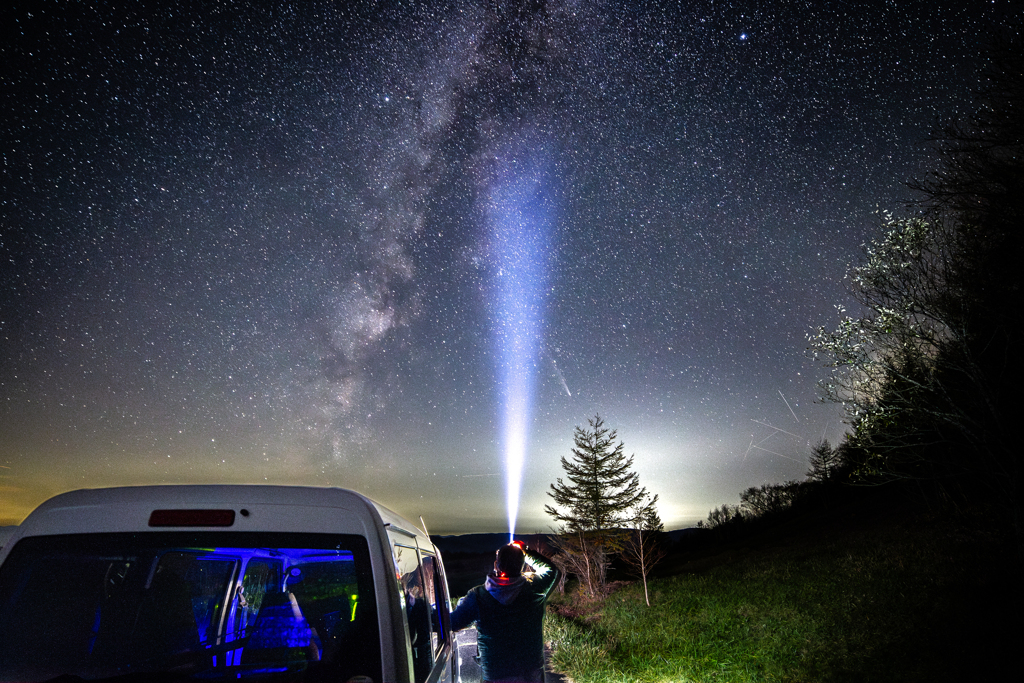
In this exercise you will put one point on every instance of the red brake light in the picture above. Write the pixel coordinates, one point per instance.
(192, 518)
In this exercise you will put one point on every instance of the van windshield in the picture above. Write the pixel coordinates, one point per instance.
(209, 605)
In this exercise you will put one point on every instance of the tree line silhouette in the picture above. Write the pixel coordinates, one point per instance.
(928, 366)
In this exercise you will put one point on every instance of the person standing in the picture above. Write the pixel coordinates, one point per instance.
(509, 613)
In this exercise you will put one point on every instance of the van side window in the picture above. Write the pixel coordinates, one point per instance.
(210, 583)
(435, 598)
(262, 576)
(417, 610)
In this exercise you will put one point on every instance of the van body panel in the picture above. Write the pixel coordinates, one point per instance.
(269, 510)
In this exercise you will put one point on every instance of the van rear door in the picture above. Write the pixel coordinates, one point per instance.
(215, 605)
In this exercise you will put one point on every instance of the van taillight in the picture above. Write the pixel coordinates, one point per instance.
(192, 518)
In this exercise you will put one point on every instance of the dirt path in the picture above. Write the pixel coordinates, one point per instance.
(469, 666)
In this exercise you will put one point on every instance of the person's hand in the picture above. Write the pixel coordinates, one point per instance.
(519, 544)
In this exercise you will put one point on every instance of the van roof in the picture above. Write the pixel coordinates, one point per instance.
(258, 508)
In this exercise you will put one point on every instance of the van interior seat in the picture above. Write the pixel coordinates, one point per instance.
(281, 633)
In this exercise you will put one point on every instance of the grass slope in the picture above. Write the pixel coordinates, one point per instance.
(917, 600)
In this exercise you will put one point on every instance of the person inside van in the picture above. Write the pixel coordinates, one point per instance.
(509, 613)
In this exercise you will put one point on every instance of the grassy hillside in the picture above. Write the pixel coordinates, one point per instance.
(852, 595)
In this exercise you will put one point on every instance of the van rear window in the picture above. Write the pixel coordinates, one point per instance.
(209, 605)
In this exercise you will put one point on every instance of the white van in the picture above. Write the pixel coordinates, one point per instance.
(222, 582)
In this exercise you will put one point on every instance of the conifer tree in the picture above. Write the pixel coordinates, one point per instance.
(602, 487)
(595, 503)
(825, 462)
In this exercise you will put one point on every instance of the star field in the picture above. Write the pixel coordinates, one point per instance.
(251, 242)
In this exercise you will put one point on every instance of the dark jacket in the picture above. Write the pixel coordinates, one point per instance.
(509, 618)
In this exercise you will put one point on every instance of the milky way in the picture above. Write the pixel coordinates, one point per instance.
(244, 243)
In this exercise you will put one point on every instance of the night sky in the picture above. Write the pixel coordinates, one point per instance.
(360, 244)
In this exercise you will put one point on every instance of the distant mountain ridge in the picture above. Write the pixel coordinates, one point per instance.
(478, 544)
(6, 532)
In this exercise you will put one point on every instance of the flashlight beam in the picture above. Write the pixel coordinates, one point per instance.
(518, 217)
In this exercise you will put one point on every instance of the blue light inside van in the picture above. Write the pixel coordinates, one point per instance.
(261, 606)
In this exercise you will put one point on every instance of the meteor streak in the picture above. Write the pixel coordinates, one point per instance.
(796, 436)
(561, 377)
(788, 406)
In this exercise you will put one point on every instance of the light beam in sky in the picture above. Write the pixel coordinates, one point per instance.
(519, 218)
